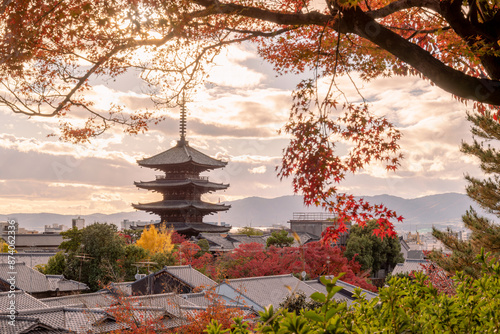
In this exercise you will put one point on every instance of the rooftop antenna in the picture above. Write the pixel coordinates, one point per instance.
(183, 121)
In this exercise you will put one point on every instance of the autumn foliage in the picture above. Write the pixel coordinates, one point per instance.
(253, 259)
(50, 50)
(156, 241)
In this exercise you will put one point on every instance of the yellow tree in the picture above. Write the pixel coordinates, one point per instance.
(156, 240)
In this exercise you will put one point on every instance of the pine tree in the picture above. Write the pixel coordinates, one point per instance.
(486, 192)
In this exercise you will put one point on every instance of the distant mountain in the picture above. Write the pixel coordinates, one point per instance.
(443, 210)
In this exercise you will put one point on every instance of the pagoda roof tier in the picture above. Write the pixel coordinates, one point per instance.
(166, 183)
(181, 154)
(175, 205)
(194, 228)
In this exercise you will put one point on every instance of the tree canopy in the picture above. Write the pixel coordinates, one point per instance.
(51, 49)
(372, 252)
(485, 233)
(279, 239)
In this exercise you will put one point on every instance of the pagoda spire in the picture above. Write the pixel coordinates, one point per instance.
(183, 121)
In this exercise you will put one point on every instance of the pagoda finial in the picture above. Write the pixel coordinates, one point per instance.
(183, 121)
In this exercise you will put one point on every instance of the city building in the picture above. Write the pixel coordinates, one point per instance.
(54, 228)
(316, 223)
(79, 223)
(182, 187)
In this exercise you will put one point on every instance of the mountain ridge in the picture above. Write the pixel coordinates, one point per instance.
(421, 213)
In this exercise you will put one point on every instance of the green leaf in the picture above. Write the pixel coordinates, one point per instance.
(319, 297)
(314, 316)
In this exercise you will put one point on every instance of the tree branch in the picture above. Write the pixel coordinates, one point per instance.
(399, 5)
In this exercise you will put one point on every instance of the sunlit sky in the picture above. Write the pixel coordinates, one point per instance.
(235, 116)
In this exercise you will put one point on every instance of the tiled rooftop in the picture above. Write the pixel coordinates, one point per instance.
(27, 325)
(125, 288)
(270, 290)
(180, 154)
(30, 259)
(23, 301)
(26, 279)
(191, 276)
(170, 302)
(198, 299)
(408, 266)
(89, 300)
(33, 281)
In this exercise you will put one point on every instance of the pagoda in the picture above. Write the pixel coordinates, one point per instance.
(182, 186)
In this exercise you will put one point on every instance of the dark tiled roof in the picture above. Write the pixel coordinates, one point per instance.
(30, 259)
(89, 300)
(125, 288)
(198, 299)
(270, 290)
(191, 276)
(408, 266)
(181, 183)
(63, 284)
(23, 301)
(32, 281)
(180, 205)
(27, 325)
(239, 239)
(196, 228)
(217, 241)
(26, 279)
(169, 302)
(182, 153)
(75, 320)
(416, 255)
(38, 240)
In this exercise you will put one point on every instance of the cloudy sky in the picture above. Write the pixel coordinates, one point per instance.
(235, 117)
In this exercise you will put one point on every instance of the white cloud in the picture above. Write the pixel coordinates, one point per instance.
(258, 170)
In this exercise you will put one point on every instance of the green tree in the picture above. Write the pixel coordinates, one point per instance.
(486, 192)
(162, 259)
(132, 255)
(99, 258)
(249, 231)
(371, 251)
(56, 264)
(204, 247)
(133, 234)
(279, 239)
(72, 240)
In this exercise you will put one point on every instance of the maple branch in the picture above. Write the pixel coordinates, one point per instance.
(400, 5)
(256, 33)
(446, 77)
(83, 79)
(364, 25)
(313, 17)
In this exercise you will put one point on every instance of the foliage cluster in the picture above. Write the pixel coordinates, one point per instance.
(247, 230)
(253, 259)
(99, 254)
(279, 239)
(372, 252)
(156, 241)
(486, 192)
(405, 306)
